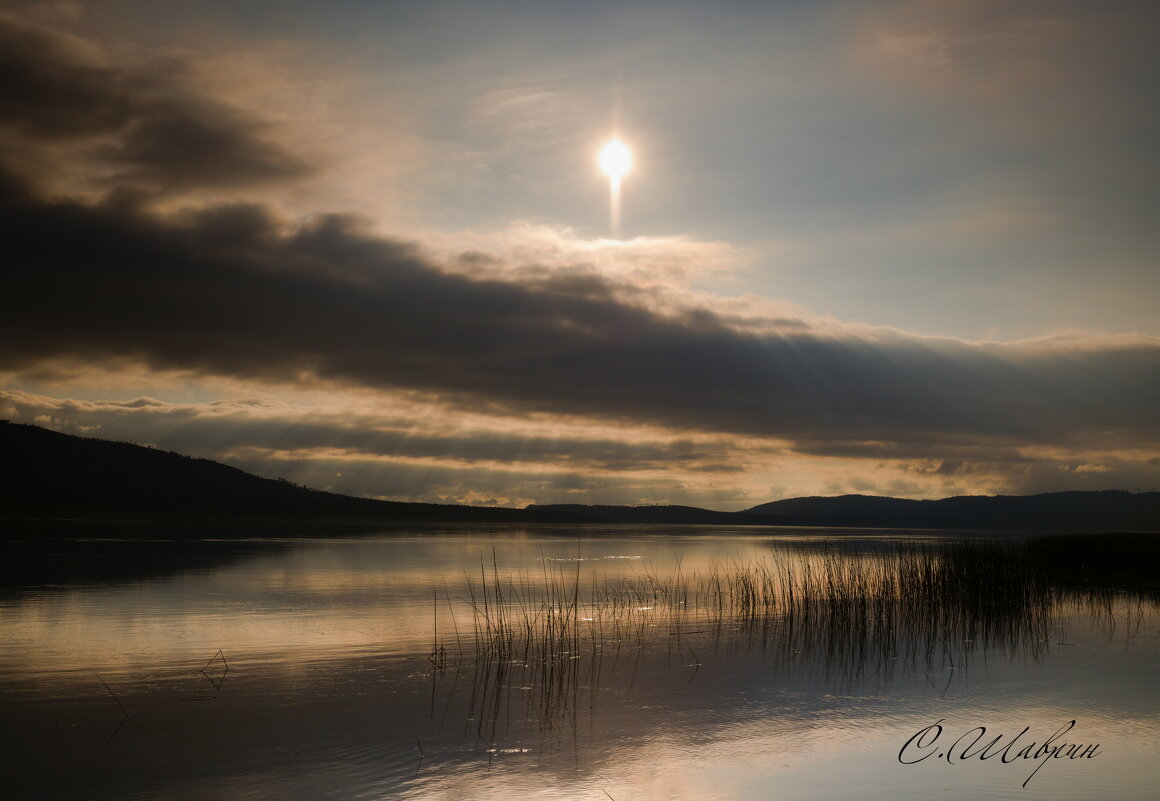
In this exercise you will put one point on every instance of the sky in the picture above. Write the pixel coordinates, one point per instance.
(896, 248)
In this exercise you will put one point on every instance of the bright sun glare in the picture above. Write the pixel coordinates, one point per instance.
(615, 159)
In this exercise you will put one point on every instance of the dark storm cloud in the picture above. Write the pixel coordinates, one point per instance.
(1022, 475)
(142, 126)
(54, 86)
(194, 144)
(931, 448)
(227, 291)
(230, 290)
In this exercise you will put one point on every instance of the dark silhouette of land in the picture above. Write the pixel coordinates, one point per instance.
(1110, 510)
(48, 475)
(1070, 511)
(45, 474)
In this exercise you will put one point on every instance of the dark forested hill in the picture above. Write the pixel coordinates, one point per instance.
(1056, 511)
(45, 473)
(1090, 511)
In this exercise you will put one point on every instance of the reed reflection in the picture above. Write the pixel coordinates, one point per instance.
(538, 650)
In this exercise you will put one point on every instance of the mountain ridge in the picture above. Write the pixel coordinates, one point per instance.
(1072, 510)
(1099, 510)
(45, 473)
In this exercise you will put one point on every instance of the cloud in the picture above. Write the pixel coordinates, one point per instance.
(137, 127)
(389, 449)
(57, 86)
(541, 324)
(511, 486)
(526, 252)
(1058, 89)
(259, 426)
(229, 290)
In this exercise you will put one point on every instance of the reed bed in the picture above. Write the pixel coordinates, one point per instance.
(987, 589)
(558, 635)
(538, 645)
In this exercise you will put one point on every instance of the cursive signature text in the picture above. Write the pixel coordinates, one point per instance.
(977, 744)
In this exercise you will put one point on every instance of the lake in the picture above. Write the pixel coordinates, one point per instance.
(631, 663)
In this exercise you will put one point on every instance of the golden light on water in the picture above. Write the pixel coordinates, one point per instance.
(615, 160)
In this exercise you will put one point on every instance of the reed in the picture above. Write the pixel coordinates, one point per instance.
(105, 684)
(846, 613)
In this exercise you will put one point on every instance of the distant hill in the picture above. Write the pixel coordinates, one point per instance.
(680, 515)
(47, 474)
(1069, 511)
(1112, 510)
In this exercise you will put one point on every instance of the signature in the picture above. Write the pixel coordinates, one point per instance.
(973, 744)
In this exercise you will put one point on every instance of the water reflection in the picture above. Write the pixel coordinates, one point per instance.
(436, 665)
(540, 650)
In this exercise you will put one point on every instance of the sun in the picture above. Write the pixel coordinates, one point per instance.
(615, 159)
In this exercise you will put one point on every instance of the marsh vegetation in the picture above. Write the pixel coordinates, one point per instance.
(847, 614)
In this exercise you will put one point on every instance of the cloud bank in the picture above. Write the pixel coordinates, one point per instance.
(227, 290)
(215, 289)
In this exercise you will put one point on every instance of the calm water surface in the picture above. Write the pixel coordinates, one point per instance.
(548, 663)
